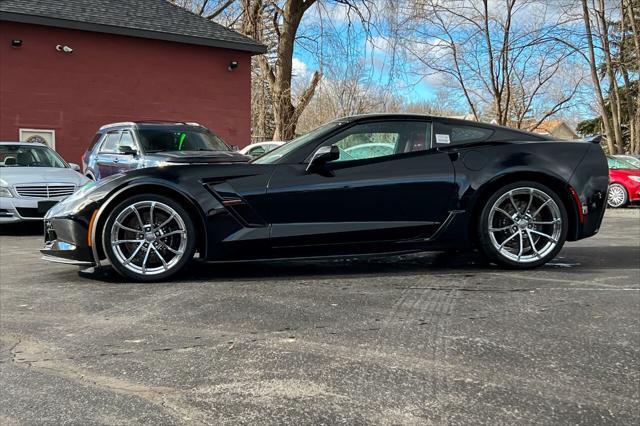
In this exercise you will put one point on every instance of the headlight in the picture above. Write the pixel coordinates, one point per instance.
(5, 192)
(636, 178)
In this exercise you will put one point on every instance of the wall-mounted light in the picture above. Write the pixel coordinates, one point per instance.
(232, 65)
(64, 48)
(16, 43)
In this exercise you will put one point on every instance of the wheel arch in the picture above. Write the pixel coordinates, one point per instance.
(617, 182)
(556, 184)
(157, 188)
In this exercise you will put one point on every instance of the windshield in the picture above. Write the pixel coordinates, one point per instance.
(29, 156)
(276, 154)
(631, 160)
(159, 140)
(621, 163)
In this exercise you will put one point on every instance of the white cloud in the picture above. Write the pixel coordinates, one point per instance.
(300, 69)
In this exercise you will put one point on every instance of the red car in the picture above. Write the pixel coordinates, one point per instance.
(624, 182)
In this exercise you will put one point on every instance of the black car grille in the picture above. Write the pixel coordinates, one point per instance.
(30, 212)
(45, 191)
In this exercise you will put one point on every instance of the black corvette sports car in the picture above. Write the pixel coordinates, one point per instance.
(371, 184)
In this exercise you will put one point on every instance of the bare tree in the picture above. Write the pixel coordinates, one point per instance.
(611, 34)
(498, 55)
(276, 23)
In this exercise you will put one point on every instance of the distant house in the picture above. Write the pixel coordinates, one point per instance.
(67, 67)
(558, 129)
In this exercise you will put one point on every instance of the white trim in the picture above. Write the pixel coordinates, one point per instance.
(51, 132)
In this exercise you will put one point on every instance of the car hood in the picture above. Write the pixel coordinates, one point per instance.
(199, 157)
(10, 176)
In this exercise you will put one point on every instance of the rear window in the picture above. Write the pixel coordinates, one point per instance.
(94, 141)
(455, 134)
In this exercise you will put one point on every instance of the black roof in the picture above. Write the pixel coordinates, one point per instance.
(154, 19)
(400, 116)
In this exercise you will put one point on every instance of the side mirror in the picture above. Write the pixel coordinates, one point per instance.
(74, 166)
(127, 150)
(322, 156)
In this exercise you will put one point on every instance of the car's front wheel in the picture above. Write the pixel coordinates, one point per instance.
(523, 225)
(149, 237)
(617, 196)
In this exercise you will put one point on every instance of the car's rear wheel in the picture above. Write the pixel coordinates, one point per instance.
(617, 196)
(149, 237)
(523, 225)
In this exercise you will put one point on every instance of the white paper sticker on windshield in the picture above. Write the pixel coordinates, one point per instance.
(442, 139)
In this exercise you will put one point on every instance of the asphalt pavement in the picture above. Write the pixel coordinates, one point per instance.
(439, 338)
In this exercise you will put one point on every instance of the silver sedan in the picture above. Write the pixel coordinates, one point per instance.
(33, 178)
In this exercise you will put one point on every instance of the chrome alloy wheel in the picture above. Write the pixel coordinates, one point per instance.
(148, 238)
(616, 196)
(525, 224)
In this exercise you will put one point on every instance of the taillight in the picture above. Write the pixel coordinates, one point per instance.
(576, 198)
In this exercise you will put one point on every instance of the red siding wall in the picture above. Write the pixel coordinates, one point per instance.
(110, 78)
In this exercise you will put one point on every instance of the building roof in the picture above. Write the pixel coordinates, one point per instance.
(551, 126)
(154, 19)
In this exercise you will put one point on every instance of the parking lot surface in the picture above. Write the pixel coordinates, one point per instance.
(436, 338)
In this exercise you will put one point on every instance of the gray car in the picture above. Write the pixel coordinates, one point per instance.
(33, 178)
(120, 147)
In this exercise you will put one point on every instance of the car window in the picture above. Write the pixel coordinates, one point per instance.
(452, 134)
(29, 156)
(94, 141)
(373, 140)
(619, 163)
(299, 143)
(180, 139)
(110, 143)
(258, 150)
(127, 140)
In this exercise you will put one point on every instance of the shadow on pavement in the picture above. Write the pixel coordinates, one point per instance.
(571, 260)
(589, 258)
(295, 269)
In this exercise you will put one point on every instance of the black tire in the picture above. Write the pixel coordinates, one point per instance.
(187, 248)
(487, 245)
(623, 198)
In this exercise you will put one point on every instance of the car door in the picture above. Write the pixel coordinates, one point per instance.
(387, 185)
(106, 154)
(122, 161)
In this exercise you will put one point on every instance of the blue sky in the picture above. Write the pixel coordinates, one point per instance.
(367, 47)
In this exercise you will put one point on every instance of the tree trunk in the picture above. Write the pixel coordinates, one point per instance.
(614, 95)
(596, 81)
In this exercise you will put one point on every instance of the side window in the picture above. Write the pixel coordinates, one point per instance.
(373, 140)
(127, 140)
(456, 134)
(110, 143)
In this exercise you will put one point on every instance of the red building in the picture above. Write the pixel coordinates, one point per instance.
(67, 67)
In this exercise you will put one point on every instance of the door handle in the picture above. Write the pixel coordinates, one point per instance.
(115, 160)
